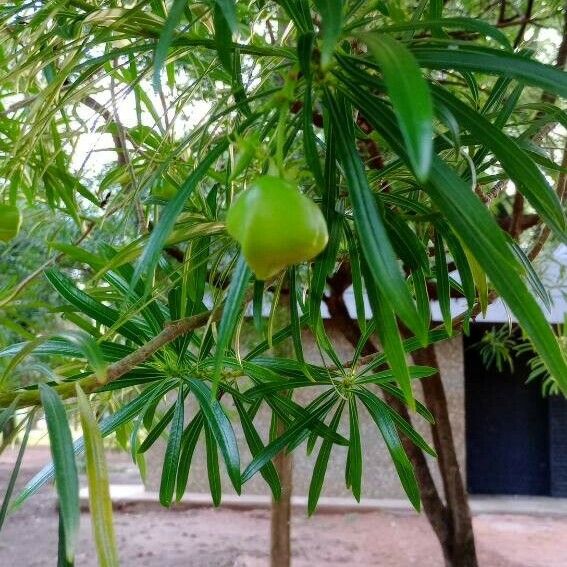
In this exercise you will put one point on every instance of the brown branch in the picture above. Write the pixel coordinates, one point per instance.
(525, 20)
(119, 368)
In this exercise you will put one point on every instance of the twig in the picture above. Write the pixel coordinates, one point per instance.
(119, 368)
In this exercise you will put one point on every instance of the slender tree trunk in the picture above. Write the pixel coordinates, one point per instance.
(451, 520)
(459, 548)
(280, 545)
(280, 548)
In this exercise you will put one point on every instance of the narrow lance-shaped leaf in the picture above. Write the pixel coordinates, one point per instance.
(107, 426)
(294, 315)
(410, 98)
(152, 251)
(442, 279)
(172, 451)
(321, 464)
(494, 62)
(90, 349)
(374, 240)
(354, 450)
(515, 161)
(228, 9)
(87, 305)
(213, 471)
(389, 333)
(165, 39)
(188, 444)
(231, 311)
(268, 471)
(331, 23)
(380, 413)
(13, 477)
(291, 434)
(66, 477)
(469, 24)
(99, 490)
(221, 428)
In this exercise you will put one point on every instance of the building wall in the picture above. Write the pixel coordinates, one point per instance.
(379, 476)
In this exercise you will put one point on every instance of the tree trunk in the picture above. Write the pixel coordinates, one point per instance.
(459, 549)
(451, 521)
(280, 549)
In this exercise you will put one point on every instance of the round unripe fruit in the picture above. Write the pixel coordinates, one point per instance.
(276, 226)
(10, 221)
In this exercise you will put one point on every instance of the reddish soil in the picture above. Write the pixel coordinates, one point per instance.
(217, 538)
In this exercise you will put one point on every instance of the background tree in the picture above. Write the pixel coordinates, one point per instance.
(426, 134)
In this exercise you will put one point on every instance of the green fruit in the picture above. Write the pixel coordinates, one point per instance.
(276, 226)
(10, 221)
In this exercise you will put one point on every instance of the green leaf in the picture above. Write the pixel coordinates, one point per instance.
(10, 222)
(442, 279)
(287, 409)
(406, 428)
(356, 271)
(291, 433)
(172, 452)
(410, 98)
(331, 26)
(305, 52)
(268, 471)
(389, 333)
(354, 450)
(532, 277)
(231, 311)
(294, 315)
(159, 428)
(387, 376)
(162, 230)
(257, 303)
(228, 9)
(107, 426)
(514, 160)
(7, 413)
(419, 407)
(492, 62)
(223, 39)
(480, 281)
(477, 228)
(66, 478)
(165, 39)
(213, 471)
(221, 428)
(188, 444)
(370, 227)
(89, 306)
(321, 464)
(381, 415)
(15, 471)
(91, 351)
(469, 24)
(100, 503)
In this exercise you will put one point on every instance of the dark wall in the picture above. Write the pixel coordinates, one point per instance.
(507, 427)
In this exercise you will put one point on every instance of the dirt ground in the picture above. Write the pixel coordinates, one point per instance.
(219, 538)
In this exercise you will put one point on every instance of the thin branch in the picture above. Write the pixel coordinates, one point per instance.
(117, 369)
(525, 20)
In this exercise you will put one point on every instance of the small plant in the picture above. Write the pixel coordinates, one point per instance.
(497, 347)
